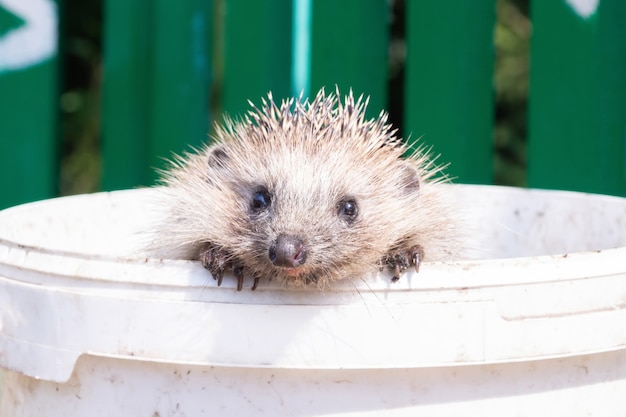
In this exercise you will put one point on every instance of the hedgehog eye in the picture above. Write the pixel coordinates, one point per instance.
(261, 200)
(348, 209)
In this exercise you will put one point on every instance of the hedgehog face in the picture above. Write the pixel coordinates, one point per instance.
(298, 233)
(298, 224)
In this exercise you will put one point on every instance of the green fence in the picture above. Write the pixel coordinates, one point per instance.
(168, 66)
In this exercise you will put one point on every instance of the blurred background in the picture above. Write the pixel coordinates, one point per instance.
(80, 98)
(102, 76)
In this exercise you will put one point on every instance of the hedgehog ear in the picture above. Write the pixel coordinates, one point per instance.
(409, 179)
(216, 162)
(218, 157)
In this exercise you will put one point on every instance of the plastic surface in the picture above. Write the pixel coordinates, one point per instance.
(538, 318)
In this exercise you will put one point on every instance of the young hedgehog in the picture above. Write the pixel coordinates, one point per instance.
(306, 192)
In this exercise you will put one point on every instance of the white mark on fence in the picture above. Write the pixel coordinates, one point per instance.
(301, 50)
(34, 41)
(584, 8)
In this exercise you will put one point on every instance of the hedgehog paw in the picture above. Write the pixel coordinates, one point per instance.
(215, 260)
(399, 261)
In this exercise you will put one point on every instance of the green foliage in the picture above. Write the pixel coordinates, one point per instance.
(511, 39)
(80, 96)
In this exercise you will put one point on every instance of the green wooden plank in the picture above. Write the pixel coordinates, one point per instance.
(257, 52)
(181, 82)
(28, 103)
(577, 116)
(126, 94)
(349, 48)
(156, 85)
(449, 90)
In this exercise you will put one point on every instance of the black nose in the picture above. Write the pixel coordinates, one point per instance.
(288, 251)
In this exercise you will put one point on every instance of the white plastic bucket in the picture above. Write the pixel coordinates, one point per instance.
(537, 329)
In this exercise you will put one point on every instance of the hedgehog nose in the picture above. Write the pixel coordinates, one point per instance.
(288, 251)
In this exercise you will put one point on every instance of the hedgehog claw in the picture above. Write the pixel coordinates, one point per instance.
(255, 283)
(417, 256)
(238, 271)
(397, 271)
(218, 275)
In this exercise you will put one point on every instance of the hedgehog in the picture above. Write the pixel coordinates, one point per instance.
(306, 192)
